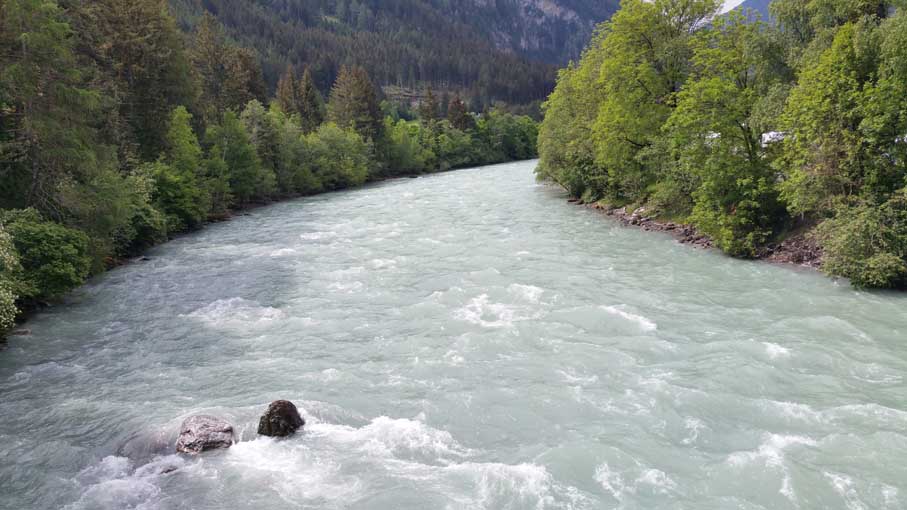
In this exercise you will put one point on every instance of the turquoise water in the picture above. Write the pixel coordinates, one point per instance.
(464, 340)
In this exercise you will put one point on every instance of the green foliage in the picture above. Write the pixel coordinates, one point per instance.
(180, 191)
(233, 155)
(716, 136)
(310, 104)
(745, 128)
(338, 158)
(868, 243)
(10, 272)
(54, 259)
(354, 104)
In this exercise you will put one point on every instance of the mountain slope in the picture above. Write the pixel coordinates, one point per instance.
(488, 50)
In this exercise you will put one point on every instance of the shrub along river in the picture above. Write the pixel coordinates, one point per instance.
(464, 340)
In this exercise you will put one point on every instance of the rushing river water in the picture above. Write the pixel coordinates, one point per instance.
(464, 340)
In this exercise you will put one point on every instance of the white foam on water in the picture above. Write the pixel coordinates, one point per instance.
(283, 252)
(511, 486)
(482, 312)
(115, 484)
(293, 471)
(648, 480)
(570, 376)
(657, 480)
(233, 310)
(771, 454)
(843, 485)
(694, 425)
(314, 236)
(383, 263)
(775, 351)
(642, 322)
(343, 273)
(397, 438)
(529, 293)
(348, 287)
(610, 481)
(793, 410)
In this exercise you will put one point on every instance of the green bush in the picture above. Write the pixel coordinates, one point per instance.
(55, 259)
(10, 271)
(868, 244)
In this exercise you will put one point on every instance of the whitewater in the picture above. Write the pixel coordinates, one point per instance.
(465, 340)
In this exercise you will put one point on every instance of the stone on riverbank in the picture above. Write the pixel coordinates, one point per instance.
(280, 420)
(201, 433)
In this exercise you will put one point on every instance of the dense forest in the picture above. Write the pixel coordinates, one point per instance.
(486, 52)
(751, 131)
(118, 130)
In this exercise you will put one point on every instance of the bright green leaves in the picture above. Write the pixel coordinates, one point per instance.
(717, 138)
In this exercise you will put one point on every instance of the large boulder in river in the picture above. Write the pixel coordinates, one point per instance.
(280, 420)
(201, 433)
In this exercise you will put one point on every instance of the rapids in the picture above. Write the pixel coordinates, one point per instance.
(459, 341)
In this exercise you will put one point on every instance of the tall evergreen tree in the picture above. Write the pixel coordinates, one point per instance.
(310, 104)
(354, 104)
(138, 43)
(287, 96)
(458, 115)
(428, 107)
(46, 107)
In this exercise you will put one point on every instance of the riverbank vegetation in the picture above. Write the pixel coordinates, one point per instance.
(747, 129)
(118, 131)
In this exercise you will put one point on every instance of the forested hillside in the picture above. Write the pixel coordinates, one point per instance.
(119, 130)
(487, 51)
(750, 131)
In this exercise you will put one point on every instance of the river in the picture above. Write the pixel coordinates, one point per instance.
(463, 340)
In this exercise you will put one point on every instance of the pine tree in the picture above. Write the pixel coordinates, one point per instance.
(230, 76)
(137, 43)
(286, 92)
(209, 58)
(310, 104)
(458, 115)
(47, 109)
(354, 104)
(428, 107)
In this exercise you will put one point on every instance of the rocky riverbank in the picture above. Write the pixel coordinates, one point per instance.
(798, 248)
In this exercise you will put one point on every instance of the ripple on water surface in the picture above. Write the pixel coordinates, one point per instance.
(460, 341)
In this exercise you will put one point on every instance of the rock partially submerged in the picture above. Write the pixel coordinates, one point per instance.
(202, 432)
(280, 420)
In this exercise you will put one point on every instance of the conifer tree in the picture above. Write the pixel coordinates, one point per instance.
(354, 104)
(458, 115)
(428, 107)
(310, 104)
(286, 92)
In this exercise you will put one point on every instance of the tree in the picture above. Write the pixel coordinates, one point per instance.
(180, 187)
(458, 116)
(137, 43)
(310, 104)
(647, 59)
(716, 135)
(354, 104)
(263, 134)
(230, 76)
(54, 259)
(428, 107)
(48, 109)
(287, 96)
(233, 155)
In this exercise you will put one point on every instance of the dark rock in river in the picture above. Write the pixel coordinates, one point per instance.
(280, 420)
(202, 433)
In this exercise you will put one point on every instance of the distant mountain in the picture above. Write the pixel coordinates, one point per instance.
(490, 50)
(760, 6)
